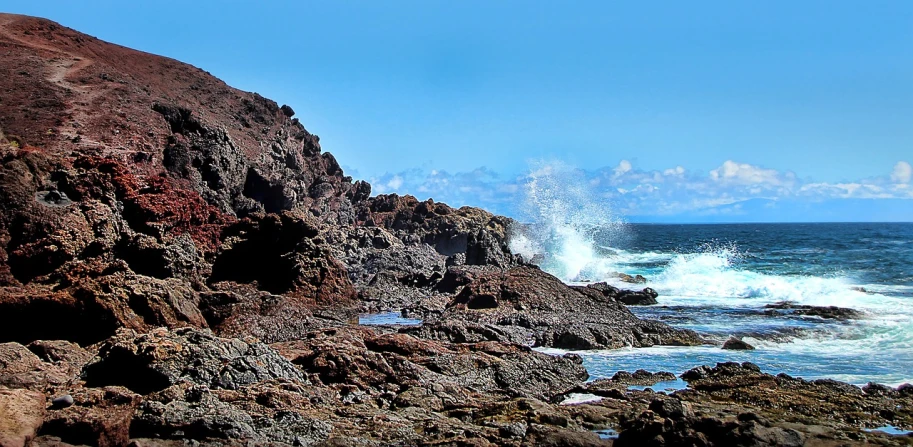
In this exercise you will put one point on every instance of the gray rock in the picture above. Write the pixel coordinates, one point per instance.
(151, 362)
(63, 401)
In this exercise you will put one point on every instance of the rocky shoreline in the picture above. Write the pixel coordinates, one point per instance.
(181, 264)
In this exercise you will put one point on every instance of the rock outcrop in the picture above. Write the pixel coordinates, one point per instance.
(536, 306)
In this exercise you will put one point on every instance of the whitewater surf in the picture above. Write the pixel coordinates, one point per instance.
(720, 279)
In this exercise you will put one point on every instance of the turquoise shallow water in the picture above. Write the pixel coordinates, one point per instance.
(387, 319)
(716, 279)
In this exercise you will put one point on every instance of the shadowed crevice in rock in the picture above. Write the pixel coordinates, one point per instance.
(283, 254)
(270, 194)
(178, 118)
(25, 319)
(482, 302)
(122, 368)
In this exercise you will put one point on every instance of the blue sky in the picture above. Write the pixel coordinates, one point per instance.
(661, 110)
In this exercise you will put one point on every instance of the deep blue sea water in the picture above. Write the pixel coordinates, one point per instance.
(716, 279)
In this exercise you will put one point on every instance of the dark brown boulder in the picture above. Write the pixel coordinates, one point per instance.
(645, 297)
(469, 236)
(737, 344)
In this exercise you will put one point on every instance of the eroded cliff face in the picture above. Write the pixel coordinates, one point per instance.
(138, 192)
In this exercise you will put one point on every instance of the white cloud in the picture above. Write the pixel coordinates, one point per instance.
(902, 172)
(623, 167)
(676, 171)
(395, 182)
(630, 191)
(746, 174)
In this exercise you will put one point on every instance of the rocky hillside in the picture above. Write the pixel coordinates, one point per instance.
(138, 191)
(180, 262)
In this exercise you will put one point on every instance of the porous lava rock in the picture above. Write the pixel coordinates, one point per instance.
(150, 362)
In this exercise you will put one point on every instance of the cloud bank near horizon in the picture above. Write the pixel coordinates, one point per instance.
(733, 191)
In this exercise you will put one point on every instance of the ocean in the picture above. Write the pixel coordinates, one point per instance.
(716, 279)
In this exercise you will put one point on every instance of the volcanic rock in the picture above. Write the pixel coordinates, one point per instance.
(20, 368)
(21, 414)
(145, 363)
(99, 416)
(556, 315)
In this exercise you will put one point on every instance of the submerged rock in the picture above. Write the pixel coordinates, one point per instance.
(826, 312)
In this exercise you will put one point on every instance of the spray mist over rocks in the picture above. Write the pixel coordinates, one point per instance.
(563, 215)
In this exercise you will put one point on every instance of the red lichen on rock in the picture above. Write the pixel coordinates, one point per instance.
(156, 204)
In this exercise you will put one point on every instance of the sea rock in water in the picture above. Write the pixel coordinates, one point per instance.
(737, 344)
(826, 312)
(645, 297)
(636, 279)
(642, 377)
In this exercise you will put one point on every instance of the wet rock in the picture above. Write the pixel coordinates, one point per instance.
(21, 415)
(670, 408)
(674, 425)
(636, 279)
(645, 297)
(145, 363)
(878, 389)
(826, 312)
(737, 344)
